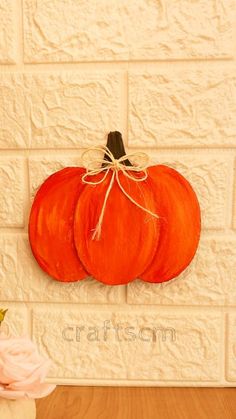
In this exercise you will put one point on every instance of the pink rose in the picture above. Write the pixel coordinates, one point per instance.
(22, 369)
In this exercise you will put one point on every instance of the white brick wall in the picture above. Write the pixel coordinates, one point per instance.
(164, 74)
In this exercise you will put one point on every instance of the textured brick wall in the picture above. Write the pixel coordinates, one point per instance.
(164, 74)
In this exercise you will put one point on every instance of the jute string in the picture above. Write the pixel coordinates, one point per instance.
(94, 167)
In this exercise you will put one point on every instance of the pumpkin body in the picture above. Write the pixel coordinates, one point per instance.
(17, 409)
(129, 235)
(180, 224)
(133, 243)
(51, 225)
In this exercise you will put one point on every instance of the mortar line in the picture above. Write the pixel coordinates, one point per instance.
(227, 58)
(223, 346)
(149, 149)
(27, 195)
(232, 198)
(124, 107)
(123, 307)
(127, 104)
(124, 382)
(114, 66)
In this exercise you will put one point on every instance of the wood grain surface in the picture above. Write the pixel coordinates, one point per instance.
(73, 402)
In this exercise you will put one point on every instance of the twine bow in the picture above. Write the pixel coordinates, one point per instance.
(95, 167)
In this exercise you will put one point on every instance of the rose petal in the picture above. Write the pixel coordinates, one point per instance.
(22, 369)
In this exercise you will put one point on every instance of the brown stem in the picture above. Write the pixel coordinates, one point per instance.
(116, 146)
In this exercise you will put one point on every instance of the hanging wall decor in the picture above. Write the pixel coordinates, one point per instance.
(116, 219)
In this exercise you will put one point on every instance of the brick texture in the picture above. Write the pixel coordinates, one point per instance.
(231, 348)
(12, 192)
(182, 109)
(7, 32)
(133, 346)
(162, 73)
(14, 111)
(106, 30)
(16, 319)
(73, 108)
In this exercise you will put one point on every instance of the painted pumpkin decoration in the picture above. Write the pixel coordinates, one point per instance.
(117, 222)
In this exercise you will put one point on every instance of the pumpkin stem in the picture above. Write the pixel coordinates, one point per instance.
(116, 146)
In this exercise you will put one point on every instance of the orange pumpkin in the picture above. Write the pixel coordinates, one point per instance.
(51, 225)
(129, 236)
(133, 243)
(180, 224)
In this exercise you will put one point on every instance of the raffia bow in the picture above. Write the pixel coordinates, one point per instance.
(101, 165)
